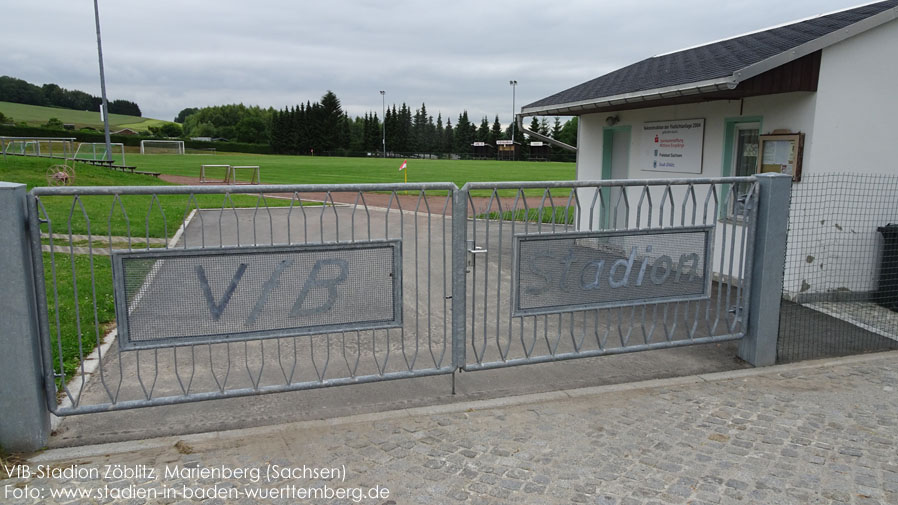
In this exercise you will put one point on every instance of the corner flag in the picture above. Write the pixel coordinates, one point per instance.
(404, 164)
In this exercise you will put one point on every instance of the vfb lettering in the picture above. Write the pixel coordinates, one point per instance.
(326, 274)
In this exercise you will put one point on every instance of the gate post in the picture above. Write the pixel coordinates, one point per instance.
(25, 424)
(758, 347)
(459, 276)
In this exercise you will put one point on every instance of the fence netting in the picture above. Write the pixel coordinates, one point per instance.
(840, 290)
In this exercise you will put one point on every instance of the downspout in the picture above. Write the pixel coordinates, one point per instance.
(539, 136)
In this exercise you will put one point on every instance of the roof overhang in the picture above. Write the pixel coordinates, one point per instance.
(641, 98)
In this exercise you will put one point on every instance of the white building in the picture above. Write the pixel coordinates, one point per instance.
(832, 78)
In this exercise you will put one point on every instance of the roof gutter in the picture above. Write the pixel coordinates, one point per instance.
(576, 108)
(519, 119)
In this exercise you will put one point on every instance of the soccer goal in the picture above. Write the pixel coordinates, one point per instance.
(215, 174)
(97, 151)
(161, 147)
(253, 177)
(48, 147)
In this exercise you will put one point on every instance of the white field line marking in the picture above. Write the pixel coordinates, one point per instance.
(92, 361)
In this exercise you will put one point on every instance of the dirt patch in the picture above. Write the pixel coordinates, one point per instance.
(437, 204)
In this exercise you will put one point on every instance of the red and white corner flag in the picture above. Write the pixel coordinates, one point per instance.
(404, 164)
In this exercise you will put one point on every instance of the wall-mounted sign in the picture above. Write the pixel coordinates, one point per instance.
(674, 146)
(566, 272)
(192, 296)
(504, 142)
(782, 153)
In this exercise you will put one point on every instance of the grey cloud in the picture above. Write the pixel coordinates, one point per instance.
(167, 55)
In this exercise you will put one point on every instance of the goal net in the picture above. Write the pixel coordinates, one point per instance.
(248, 172)
(215, 174)
(47, 147)
(161, 147)
(97, 151)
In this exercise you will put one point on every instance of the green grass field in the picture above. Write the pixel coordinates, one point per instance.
(107, 217)
(326, 170)
(36, 115)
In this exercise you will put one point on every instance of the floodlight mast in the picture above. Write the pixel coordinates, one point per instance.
(514, 85)
(103, 84)
(383, 100)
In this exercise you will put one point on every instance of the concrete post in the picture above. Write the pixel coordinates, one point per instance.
(24, 418)
(758, 347)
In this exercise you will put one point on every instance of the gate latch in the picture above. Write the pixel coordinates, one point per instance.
(473, 251)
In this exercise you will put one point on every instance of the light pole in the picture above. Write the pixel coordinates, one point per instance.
(383, 100)
(514, 85)
(102, 84)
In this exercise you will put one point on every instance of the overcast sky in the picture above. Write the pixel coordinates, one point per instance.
(453, 55)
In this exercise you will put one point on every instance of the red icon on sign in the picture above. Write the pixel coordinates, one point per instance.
(656, 138)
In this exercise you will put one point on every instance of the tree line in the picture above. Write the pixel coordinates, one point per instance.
(319, 127)
(52, 95)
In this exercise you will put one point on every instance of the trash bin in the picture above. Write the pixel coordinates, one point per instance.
(887, 293)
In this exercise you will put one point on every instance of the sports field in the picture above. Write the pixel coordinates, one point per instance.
(332, 170)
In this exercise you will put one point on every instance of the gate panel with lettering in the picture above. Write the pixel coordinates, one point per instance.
(565, 272)
(191, 296)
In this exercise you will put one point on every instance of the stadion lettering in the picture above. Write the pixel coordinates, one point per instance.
(592, 270)
(180, 297)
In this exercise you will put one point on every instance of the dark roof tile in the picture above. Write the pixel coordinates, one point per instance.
(711, 61)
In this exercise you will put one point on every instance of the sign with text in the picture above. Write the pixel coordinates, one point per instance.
(192, 296)
(566, 272)
(674, 146)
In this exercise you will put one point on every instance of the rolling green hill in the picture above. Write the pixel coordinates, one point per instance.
(36, 115)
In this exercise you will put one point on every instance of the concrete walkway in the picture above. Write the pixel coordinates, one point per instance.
(814, 432)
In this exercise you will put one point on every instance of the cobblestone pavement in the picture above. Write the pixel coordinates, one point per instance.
(792, 434)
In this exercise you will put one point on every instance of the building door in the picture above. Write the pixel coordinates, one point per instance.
(616, 165)
(744, 159)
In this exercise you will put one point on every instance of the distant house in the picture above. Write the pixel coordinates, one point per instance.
(125, 131)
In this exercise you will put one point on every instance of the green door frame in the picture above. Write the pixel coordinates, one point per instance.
(607, 148)
(729, 129)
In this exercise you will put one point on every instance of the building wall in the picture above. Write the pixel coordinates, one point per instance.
(793, 111)
(849, 127)
(857, 104)
(835, 247)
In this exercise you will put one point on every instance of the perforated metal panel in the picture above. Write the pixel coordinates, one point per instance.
(578, 271)
(181, 297)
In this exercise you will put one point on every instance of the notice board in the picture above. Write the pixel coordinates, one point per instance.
(674, 146)
(781, 153)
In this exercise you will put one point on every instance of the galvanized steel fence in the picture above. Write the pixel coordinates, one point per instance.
(627, 215)
(80, 227)
(486, 276)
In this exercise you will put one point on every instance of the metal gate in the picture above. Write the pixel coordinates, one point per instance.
(224, 291)
(562, 270)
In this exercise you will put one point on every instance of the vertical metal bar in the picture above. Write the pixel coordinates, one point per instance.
(758, 347)
(459, 278)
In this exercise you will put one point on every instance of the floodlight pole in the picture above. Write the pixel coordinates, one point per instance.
(103, 84)
(383, 100)
(514, 85)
